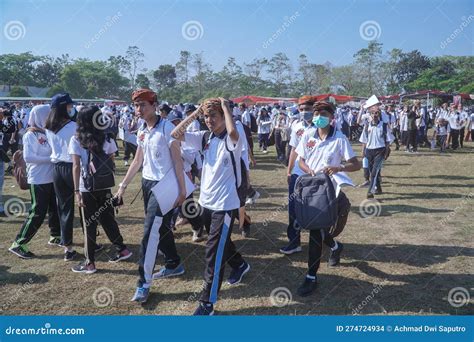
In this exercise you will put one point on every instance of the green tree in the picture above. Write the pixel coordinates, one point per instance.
(17, 91)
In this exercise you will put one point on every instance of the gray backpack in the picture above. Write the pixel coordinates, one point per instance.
(315, 202)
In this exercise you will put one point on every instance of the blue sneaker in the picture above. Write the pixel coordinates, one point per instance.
(238, 273)
(141, 295)
(169, 272)
(288, 250)
(204, 309)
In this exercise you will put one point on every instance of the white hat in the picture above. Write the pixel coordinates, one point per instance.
(38, 115)
(373, 100)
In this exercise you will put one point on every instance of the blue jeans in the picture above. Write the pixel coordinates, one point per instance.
(2, 175)
(292, 233)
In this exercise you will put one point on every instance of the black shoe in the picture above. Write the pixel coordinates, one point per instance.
(246, 231)
(335, 256)
(204, 309)
(69, 256)
(22, 252)
(99, 247)
(378, 192)
(370, 195)
(238, 273)
(308, 287)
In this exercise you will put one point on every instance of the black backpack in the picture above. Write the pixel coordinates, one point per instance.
(242, 189)
(315, 202)
(253, 124)
(100, 172)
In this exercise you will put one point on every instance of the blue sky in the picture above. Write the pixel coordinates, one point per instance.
(323, 30)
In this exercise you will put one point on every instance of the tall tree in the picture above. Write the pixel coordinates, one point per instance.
(182, 66)
(368, 61)
(279, 68)
(134, 58)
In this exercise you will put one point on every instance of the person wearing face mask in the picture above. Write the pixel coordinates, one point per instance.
(376, 141)
(59, 130)
(298, 127)
(324, 149)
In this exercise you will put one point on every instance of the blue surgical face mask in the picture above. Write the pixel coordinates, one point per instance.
(71, 112)
(321, 121)
(307, 116)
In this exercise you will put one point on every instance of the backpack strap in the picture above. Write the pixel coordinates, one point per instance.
(205, 139)
(62, 126)
(234, 165)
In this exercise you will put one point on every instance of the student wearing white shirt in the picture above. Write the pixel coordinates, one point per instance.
(246, 116)
(159, 154)
(126, 124)
(59, 131)
(442, 128)
(5, 128)
(221, 178)
(37, 155)
(454, 119)
(305, 107)
(264, 122)
(190, 208)
(90, 146)
(376, 142)
(324, 150)
(471, 124)
(463, 122)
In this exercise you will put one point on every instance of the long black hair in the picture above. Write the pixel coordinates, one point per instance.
(90, 134)
(56, 117)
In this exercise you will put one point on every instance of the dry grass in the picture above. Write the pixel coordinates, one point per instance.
(404, 261)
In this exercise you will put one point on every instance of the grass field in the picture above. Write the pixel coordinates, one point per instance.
(402, 255)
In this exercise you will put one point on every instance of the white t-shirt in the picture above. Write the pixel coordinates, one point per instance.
(472, 123)
(218, 189)
(246, 120)
(156, 145)
(373, 136)
(297, 131)
(245, 145)
(75, 148)
(264, 124)
(319, 153)
(59, 142)
(454, 119)
(37, 155)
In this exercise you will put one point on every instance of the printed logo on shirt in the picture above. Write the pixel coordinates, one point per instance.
(42, 140)
(226, 162)
(300, 132)
(142, 136)
(310, 144)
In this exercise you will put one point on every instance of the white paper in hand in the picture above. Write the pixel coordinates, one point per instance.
(167, 190)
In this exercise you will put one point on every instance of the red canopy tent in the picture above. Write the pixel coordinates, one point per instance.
(251, 99)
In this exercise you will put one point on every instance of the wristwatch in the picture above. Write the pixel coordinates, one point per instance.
(122, 185)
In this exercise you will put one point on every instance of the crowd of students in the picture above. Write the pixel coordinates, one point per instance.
(70, 156)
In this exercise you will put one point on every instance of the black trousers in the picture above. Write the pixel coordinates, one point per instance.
(396, 134)
(129, 149)
(98, 208)
(462, 133)
(64, 189)
(376, 158)
(43, 200)
(280, 145)
(454, 138)
(412, 139)
(157, 234)
(219, 250)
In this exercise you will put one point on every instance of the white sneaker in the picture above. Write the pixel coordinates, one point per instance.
(125, 163)
(249, 201)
